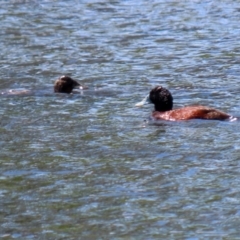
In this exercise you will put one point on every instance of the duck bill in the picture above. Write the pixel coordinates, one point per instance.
(82, 87)
(79, 86)
(143, 102)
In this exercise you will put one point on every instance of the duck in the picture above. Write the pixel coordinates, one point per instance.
(66, 84)
(163, 103)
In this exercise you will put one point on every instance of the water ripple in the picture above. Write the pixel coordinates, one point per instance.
(91, 165)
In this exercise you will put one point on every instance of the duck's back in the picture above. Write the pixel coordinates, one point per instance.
(191, 112)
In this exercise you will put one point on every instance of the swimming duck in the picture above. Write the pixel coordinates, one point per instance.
(66, 84)
(163, 102)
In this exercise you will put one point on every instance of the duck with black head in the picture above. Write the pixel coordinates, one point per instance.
(66, 84)
(163, 103)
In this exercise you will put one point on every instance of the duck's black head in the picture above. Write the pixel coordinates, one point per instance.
(65, 84)
(161, 98)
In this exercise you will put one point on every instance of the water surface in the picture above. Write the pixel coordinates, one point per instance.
(91, 165)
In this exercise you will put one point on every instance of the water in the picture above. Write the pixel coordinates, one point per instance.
(91, 165)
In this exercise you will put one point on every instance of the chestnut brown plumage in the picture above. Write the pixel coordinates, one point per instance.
(163, 103)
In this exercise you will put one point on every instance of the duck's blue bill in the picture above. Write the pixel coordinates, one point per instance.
(144, 101)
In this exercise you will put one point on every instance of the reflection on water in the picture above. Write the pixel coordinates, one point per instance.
(91, 165)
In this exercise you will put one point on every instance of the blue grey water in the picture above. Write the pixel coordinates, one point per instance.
(91, 165)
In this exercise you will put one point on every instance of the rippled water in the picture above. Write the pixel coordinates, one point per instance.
(91, 165)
